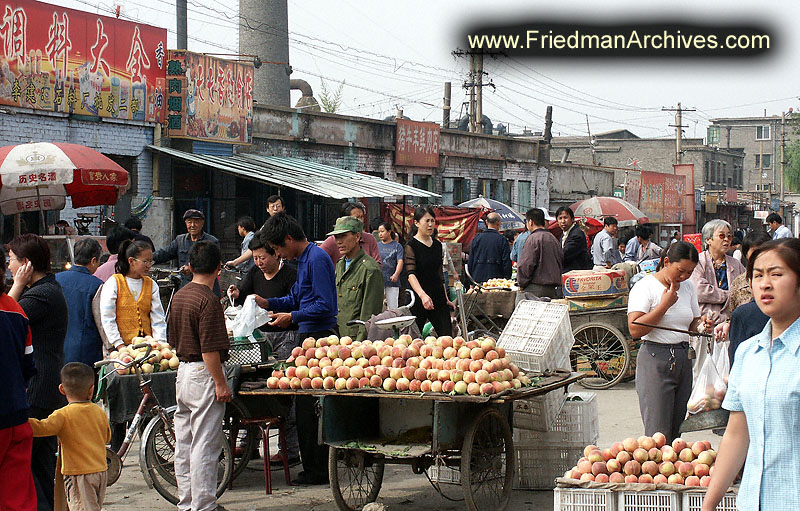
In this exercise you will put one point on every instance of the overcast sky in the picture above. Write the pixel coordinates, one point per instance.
(398, 54)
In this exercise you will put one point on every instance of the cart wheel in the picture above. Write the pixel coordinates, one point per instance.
(602, 351)
(356, 477)
(487, 462)
(114, 464)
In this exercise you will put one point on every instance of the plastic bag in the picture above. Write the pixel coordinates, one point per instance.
(711, 383)
(249, 318)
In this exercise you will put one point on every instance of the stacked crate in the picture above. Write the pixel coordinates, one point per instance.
(543, 456)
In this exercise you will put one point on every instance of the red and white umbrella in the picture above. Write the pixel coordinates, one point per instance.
(38, 176)
(600, 207)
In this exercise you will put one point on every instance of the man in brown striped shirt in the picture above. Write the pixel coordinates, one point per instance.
(197, 330)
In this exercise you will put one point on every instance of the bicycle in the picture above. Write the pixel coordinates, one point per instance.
(157, 441)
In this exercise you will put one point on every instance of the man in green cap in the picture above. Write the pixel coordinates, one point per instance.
(359, 281)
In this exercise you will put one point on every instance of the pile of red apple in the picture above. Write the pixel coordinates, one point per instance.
(445, 364)
(162, 356)
(647, 460)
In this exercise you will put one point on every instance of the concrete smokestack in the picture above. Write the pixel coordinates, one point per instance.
(264, 31)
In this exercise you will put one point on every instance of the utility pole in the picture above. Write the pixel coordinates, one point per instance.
(678, 127)
(472, 128)
(783, 154)
(761, 167)
(446, 106)
(182, 29)
(591, 142)
(479, 93)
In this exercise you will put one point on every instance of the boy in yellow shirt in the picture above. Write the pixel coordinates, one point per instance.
(83, 432)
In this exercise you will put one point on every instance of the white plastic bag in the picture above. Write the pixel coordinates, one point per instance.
(711, 383)
(249, 318)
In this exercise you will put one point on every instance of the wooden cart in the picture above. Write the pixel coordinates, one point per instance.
(367, 429)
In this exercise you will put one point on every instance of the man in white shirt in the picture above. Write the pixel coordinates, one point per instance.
(605, 253)
(776, 226)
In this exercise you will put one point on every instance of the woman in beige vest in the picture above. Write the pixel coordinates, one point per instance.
(130, 303)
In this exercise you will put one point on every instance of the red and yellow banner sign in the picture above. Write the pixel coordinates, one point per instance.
(209, 98)
(416, 144)
(70, 61)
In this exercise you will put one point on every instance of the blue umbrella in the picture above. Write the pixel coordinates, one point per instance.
(510, 218)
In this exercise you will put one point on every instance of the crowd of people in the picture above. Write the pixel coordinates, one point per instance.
(59, 325)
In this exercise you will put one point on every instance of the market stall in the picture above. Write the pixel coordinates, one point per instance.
(441, 405)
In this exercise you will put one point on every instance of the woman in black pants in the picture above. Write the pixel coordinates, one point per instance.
(423, 262)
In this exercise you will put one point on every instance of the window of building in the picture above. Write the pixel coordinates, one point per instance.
(762, 132)
(456, 191)
(706, 172)
(719, 172)
(524, 195)
(713, 135)
(423, 182)
(488, 188)
(508, 191)
(402, 178)
(725, 172)
(763, 159)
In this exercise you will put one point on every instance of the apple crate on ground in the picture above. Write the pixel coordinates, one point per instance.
(692, 500)
(647, 460)
(439, 365)
(543, 456)
(538, 336)
(584, 499)
(162, 356)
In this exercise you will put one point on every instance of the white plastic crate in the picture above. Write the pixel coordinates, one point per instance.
(583, 499)
(577, 423)
(693, 501)
(441, 473)
(538, 467)
(651, 500)
(538, 336)
(539, 413)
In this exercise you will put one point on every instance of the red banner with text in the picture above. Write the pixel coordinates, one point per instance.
(454, 224)
(687, 170)
(70, 61)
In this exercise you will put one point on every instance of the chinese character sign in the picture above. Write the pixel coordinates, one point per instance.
(651, 200)
(209, 98)
(64, 60)
(632, 188)
(687, 170)
(674, 196)
(416, 144)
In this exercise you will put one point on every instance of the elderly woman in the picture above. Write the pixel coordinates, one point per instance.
(712, 277)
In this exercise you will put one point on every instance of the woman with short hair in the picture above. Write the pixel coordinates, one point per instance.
(712, 277)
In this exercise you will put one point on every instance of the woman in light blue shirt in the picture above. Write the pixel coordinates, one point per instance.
(763, 396)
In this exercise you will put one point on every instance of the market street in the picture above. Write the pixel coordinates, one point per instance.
(619, 418)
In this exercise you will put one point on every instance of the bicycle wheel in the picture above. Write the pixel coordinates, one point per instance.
(157, 457)
(246, 440)
(602, 352)
(355, 477)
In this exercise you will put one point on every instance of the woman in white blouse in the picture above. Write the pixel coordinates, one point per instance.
(130, 302)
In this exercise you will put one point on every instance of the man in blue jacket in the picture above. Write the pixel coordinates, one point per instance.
(489, 254)
(83, 342)
(312, 306)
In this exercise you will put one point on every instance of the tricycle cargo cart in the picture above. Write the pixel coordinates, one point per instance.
(602, 348)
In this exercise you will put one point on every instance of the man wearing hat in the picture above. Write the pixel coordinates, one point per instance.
(180, 246)
(359, 280)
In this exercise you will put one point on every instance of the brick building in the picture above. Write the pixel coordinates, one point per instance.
(760, 140)
(122, 141)
(715, 167)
